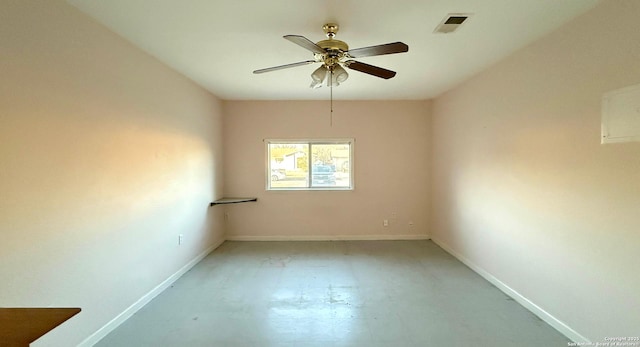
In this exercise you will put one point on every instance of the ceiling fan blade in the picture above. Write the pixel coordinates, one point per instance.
(269, 69)
(369, 69)
(304, 43)
(389, 48)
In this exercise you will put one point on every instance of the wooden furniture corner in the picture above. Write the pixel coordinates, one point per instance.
(21, 326)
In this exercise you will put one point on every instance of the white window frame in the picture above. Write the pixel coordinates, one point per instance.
(310, 143)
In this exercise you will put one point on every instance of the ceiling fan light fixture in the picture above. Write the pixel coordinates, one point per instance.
(338, 75)
(318, 76)
(335, 55)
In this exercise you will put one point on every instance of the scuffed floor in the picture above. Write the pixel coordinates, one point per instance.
(341, 293)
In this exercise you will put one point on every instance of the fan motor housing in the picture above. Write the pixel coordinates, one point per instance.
(333, 45)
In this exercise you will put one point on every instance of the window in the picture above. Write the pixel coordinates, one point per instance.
(309, 164)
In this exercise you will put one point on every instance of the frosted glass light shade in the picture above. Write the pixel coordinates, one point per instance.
(339, 75)
(318, 76)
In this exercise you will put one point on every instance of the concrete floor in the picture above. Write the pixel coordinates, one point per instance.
(343, 293)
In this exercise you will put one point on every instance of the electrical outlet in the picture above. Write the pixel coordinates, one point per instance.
(385, 222)
(180, 239)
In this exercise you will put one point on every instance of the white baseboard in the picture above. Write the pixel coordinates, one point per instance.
(528, 304)
(324, 237)
(131, 310)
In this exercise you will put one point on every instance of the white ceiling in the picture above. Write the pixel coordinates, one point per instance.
(218, 43)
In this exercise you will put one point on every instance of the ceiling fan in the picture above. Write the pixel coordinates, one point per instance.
(335, 54)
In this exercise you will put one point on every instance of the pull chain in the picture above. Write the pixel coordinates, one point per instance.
(331, 98)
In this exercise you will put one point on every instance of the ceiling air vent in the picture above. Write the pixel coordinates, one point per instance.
(451, 23)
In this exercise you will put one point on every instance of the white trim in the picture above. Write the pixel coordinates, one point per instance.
(528, 304)
(131, 310)
(325, 237)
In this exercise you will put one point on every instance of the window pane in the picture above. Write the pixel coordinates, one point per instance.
(289, 165)
(309, 164)
(331, 165)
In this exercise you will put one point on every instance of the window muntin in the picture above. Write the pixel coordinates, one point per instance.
(309, 164)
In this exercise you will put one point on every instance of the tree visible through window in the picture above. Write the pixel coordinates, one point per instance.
(309, 164)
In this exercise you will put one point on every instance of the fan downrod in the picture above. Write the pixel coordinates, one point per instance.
(331, 29)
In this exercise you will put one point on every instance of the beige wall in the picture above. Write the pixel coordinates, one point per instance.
(391, 170)
(106, 156)
(522, 188)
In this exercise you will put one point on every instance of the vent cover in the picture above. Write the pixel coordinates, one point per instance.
(452, 22)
